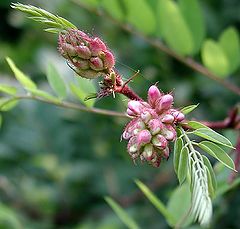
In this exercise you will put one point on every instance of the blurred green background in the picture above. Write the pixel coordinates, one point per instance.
(56, 165)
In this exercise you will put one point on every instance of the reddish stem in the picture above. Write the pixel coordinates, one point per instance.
(128, 92)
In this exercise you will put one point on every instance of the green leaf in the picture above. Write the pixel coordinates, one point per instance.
(217, 152)
(55, 81)
(183, 164)
(213, 136)
(196, 125)
(189, 109)
(45, 17)
(154, 200)
(173, 28)
(215, 59)
(122, 214)
(212, 183)
(82, 90)
(113, 7)
(44, 95)
(8, 89)
(20, 76)
(181, 196)
(146, 24)
(194, 19)
(229, 42)
(178, 145)
(7, 104)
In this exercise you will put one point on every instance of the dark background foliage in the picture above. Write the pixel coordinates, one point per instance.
(56, 165)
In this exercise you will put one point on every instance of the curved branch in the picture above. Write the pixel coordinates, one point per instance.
(161, 46)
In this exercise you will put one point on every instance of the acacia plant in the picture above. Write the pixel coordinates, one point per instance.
(153, 124)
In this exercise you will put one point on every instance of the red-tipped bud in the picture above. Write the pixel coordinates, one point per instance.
(83, 51)
(168, 119)
(179, 116)
(96, 46)
(96, 64)
(148, 152)
(164, 103)
(153, 95)
(108, 60)
(155, 126)
(143, 138)
(135, 106)
(160, 141)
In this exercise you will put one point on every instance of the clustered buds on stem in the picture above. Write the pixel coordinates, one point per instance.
(152, 127)
(88, 56)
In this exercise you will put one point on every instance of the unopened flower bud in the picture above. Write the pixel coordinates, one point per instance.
(148, 152)
(130, 112)
(89, 74)
(143, 138)
(159, 141)
(126, 135)
(146, 116)
(135, 106)
(83, 51)
(169, 133)
(164, 103)
(179, 116)
(96, 46)
(69, 49)
(165, 153)
(155, 126)
(135, 126)
(108, 60)
(132, 145)
(80, 63)
(96, 63)
(153, 95)
(168, 119)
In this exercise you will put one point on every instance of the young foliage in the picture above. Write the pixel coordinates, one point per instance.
(83, 88)
(146, 24)
(155, 201)
(8, 89)
(222, 57)
(173, 28)
(122, 214)
(26, 82)
(188, 109)
(56, 82)
(201, 205)
(54, 23)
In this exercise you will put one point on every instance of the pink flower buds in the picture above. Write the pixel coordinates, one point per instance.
(152, 127)
(164, 103)
(153, 95)
(88, 56)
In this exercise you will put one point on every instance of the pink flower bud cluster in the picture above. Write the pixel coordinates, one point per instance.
(152, 127)
(89, 57)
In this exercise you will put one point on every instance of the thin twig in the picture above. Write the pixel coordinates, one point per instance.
(161, 46)
(69, 105)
